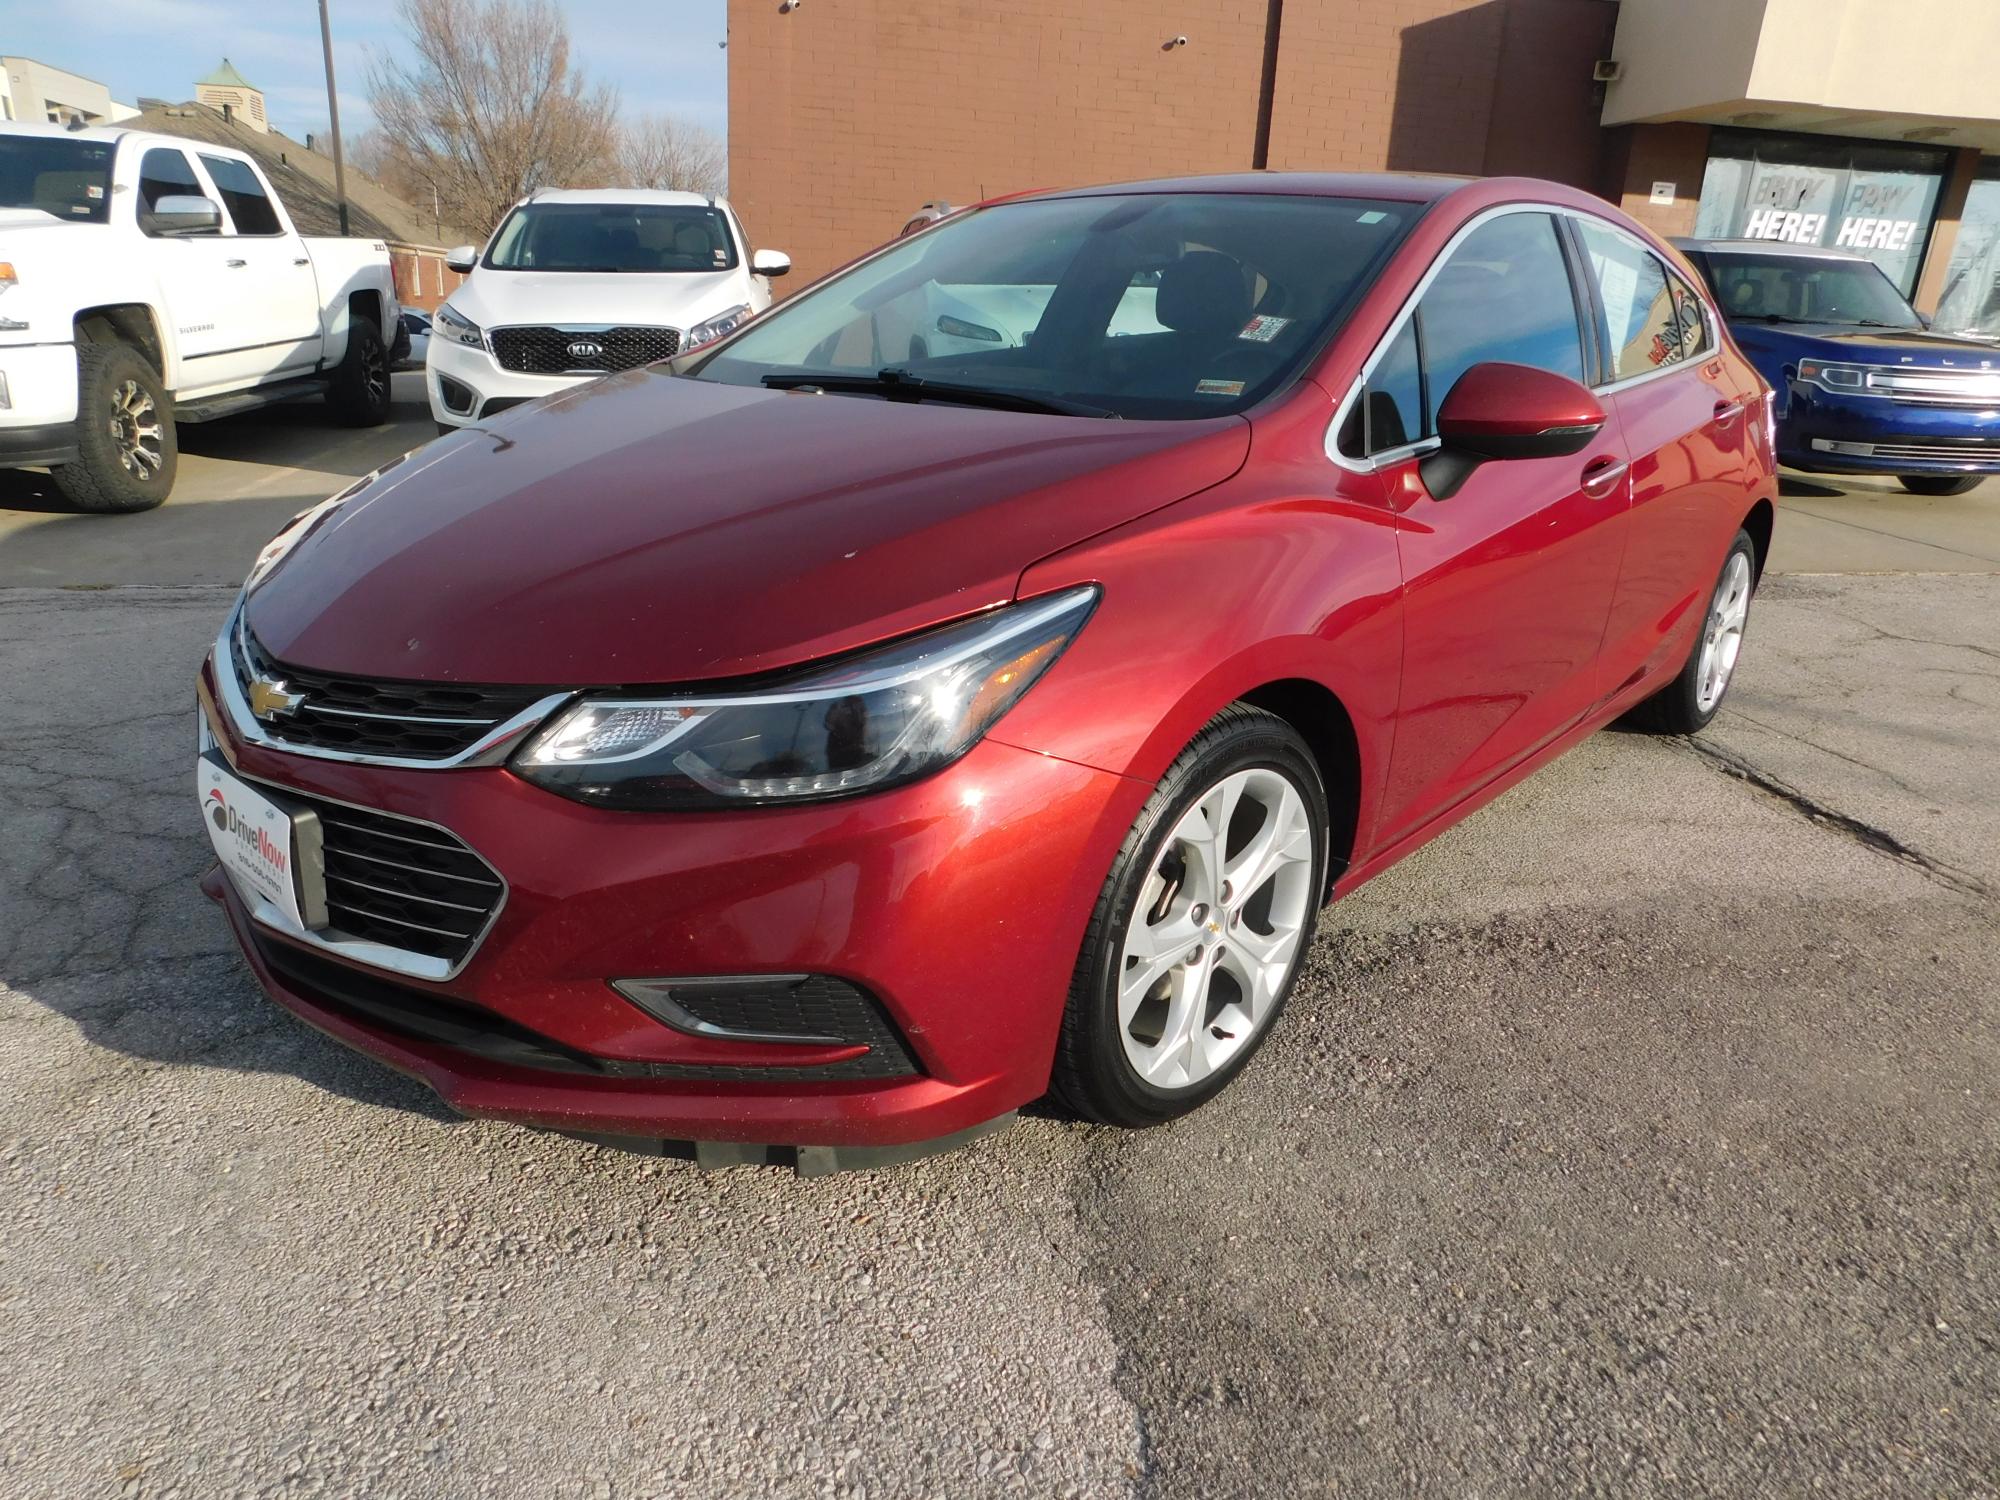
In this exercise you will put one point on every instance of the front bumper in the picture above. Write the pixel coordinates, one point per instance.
(38, 412)
(466, 384)
(958, 902)
(1823, 433)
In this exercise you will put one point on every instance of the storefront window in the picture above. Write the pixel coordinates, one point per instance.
(1971, 300)
(1876, 200)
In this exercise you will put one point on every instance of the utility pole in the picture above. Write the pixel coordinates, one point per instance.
(333, 111)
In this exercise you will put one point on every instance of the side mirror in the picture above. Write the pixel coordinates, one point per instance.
(770, 263)
(179, 215)
(1500, 411)
(462, 258)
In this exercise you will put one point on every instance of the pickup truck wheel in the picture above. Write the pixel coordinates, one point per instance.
(359, 394)
(1937, 484)
(126, 447)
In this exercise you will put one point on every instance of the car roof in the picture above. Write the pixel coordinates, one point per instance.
(1764, 247)
(105, 135)
(1407, 187)
(620, 195)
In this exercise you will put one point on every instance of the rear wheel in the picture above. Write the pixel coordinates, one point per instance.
(1685, 705)
(127, 451)
(1938, 484)
(1201, 927)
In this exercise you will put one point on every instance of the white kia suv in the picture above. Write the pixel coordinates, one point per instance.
(579, 283)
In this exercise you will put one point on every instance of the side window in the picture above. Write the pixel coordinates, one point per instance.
(1643, 327)
(243, 195)
(1392, 407)
(1505, 294)
(165, 174)
(1693, 327)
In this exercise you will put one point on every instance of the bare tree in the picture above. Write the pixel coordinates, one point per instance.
(488, 108)
(665, 151)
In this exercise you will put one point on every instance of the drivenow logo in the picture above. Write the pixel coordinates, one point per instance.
(228, 821)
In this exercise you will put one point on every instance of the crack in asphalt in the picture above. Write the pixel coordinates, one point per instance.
(1880, 840)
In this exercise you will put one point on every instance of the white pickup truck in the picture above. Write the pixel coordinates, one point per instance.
(147, 280)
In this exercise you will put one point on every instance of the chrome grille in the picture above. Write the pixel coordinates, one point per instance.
(1935, 387)
(1967, 451)
(378, 717)
(402, 883)
(581, 351)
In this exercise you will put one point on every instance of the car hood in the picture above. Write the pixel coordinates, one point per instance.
(646, 528)
(674, 299)
(1918, 348)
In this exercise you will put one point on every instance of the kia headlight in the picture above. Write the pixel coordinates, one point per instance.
(716, 327)
(457, 327)
(874, 720)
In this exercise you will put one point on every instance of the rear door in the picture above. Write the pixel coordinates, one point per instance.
(275, 302)
(1686, 424)
(1508, 584)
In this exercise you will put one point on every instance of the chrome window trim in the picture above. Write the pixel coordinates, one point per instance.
(359, 950)
(489, 750)
(1371, 464)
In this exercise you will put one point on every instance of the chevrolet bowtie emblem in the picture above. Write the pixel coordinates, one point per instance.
(269, 698)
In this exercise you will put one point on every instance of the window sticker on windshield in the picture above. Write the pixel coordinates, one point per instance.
(1218, 387)
(1371, 217)
(1262, 328)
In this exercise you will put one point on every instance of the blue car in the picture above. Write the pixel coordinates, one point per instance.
(1863, 386)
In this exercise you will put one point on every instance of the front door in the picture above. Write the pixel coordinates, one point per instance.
(192, 271)
(1507, 585)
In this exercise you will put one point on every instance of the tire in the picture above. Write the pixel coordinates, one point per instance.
(127, 449)
(359, 394)
(1155, 1056)
(1938, 484)
(1688, 703)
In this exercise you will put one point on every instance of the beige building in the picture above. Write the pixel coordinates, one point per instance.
(37, 93)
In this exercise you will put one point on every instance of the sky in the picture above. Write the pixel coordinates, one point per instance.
(661, 55)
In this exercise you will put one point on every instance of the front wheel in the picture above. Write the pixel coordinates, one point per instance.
(126, 447)
(1685, 705)
(1201, 927)
(1938, 484)
(359, 394)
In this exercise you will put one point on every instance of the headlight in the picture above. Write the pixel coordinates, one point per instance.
(8, 280)
(875, 720)
(457, 328)
(716, 327)
(1833, 377)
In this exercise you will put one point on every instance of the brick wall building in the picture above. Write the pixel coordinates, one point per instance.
(846, 115)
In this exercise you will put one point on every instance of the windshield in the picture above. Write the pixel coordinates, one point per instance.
(70, 179)
(613, 237)
(1806, 289)
(1170, 305)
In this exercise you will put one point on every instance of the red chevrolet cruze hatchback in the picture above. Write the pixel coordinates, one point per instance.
(968, 681)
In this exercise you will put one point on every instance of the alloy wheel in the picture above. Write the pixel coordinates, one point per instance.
(375, 375)
(1722, 637)
(1216, 927)
(135, 428)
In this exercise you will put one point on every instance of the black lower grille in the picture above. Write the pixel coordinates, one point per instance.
(480, 1033)
(376, 716)
(403, 884)
(801, 1009)
(570, 351)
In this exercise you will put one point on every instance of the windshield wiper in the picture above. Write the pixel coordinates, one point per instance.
(901, 385)
(1744, 317)
(1878, 323)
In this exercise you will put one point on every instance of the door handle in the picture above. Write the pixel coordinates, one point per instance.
(302, 261)
(1728, 411)
(1601, 476)
(236, 265)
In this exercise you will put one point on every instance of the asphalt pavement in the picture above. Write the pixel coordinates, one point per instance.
(1634, 1137)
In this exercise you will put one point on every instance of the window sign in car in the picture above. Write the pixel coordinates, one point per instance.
(1134, 305)
(1639, 311)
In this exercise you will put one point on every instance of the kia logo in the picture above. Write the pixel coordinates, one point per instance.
(586, 349)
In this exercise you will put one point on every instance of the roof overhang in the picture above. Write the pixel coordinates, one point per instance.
(1921, 71)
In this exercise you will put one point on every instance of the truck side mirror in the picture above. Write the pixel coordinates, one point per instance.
(180, 215)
